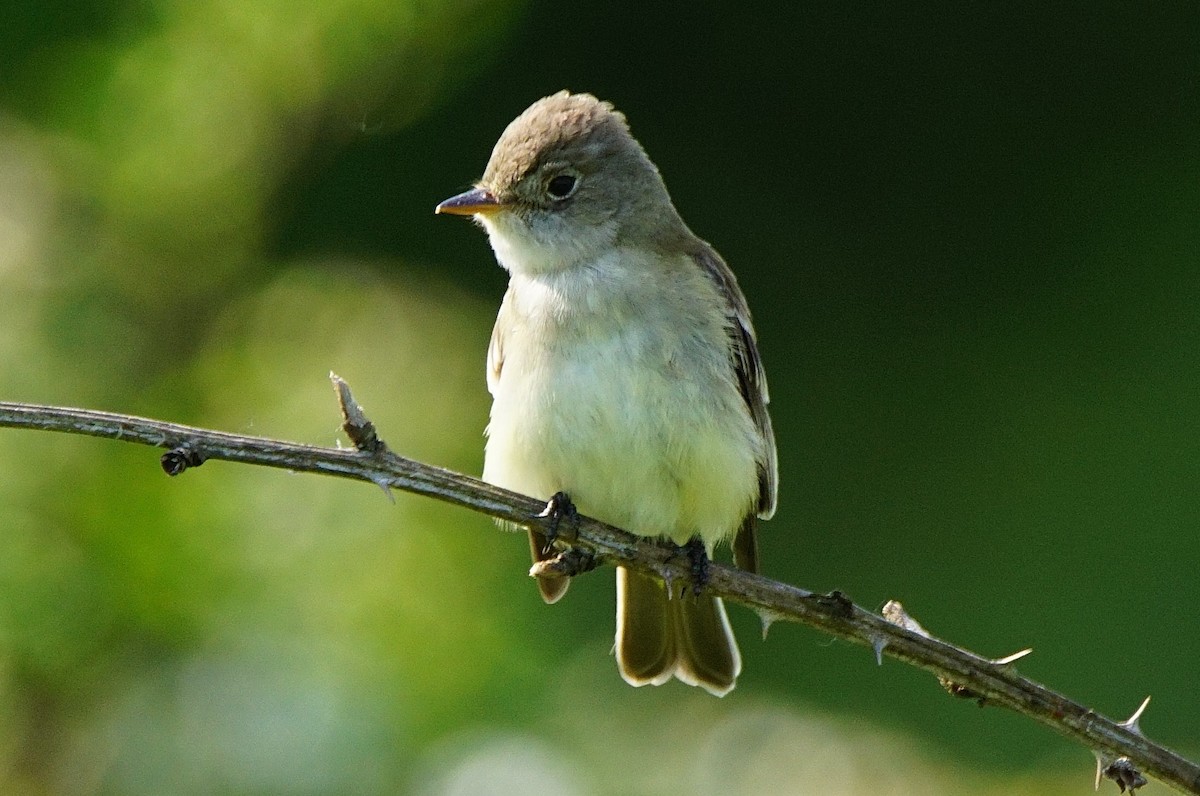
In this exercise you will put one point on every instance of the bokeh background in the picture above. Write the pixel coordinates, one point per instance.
(970, 234)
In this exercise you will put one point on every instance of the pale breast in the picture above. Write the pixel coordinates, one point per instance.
(630, 407)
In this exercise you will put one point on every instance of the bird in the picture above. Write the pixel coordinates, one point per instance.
(625, 374)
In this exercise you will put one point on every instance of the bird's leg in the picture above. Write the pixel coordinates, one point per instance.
(567, 563)
(558, 508)
(698, 557)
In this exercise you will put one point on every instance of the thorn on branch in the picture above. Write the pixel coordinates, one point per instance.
(767, 618)
(358, 428)
(180, 458)
(1133, 723)
(1009, 660)
(879, 644)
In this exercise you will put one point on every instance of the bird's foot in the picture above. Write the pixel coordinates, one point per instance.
(558, 508)
(698, 558)
(567, 564)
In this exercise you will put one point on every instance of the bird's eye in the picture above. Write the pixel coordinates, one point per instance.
(562, 186)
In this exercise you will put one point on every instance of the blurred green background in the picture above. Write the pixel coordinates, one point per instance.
(970, 234)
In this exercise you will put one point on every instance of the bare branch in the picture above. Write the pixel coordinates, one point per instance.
(1125, 753)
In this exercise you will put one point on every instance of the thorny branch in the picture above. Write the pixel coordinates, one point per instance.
(1123, 753)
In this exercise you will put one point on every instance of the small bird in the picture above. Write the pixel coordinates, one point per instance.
(624, 373)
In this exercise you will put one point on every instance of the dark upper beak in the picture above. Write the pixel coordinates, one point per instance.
(468, 203)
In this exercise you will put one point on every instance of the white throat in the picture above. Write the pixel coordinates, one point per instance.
(545, 243)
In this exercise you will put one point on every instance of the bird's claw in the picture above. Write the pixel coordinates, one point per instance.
(698, 558)
(558, 508)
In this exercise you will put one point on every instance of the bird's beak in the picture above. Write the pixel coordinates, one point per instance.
(476, 200)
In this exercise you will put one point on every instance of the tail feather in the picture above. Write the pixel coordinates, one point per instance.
(708, 654)
(660, 636)
(645, 637)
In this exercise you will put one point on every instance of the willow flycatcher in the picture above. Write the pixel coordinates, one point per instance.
(624, 372)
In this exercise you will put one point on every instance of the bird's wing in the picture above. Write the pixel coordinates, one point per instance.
(495, 354)
(748, 368)
(551, 588)
(752, 381)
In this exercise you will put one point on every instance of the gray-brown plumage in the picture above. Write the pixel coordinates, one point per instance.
(624, 371)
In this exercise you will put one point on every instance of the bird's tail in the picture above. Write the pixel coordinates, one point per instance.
(661, 635)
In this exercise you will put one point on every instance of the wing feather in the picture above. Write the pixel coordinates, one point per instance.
(495, 354)
(751, 379)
